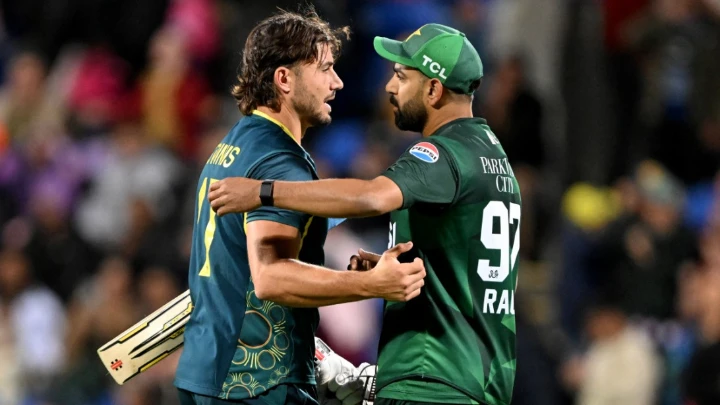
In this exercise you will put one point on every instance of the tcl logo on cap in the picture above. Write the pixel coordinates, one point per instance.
(434, 66)
(426, 152)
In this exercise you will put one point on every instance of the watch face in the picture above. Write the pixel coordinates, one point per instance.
(266, 193)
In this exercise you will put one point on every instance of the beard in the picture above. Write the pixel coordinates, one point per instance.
(411, 116)
(309, 108)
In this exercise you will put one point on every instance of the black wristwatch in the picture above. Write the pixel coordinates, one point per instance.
(266, 193)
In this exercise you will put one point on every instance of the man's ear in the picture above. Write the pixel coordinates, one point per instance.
(283, 79)
(434, 91)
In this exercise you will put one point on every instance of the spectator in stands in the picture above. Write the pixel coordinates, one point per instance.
(101, 308)
(621, 366)
(173, 98)
(640, 254)
(132, 191)
(37, 321)
(25, 105)
(680, 53)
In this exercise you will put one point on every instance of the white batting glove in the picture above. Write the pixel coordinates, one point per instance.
(328, 365)
(355, 387)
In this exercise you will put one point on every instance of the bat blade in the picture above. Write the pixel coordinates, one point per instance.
(147, 342)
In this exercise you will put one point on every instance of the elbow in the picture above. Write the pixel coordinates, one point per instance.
(262, 293)
(265, 292)
(381, 196)
(264, 289)
(373, 205)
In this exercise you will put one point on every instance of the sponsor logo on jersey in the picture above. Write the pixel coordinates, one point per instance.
(426, 152)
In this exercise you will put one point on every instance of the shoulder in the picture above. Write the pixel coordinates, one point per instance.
(438, 148)
(257, 131)
(427, 150)
(470, 137)
(466, 129)
(428, 155)
(265, 144)
(283, 165)
(264, 135)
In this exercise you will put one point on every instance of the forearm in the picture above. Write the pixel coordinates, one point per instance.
(296, 284)
(333, 198)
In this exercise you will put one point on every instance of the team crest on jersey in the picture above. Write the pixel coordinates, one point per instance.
(426, 152)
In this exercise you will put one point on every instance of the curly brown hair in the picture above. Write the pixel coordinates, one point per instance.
(285, 39)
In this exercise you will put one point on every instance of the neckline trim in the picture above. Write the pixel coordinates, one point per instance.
(276, 122)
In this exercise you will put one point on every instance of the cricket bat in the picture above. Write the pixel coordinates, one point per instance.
(159, 334)
(147, 342)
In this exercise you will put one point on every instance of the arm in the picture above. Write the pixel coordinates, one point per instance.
(286, 281)
(324, 198)
(273, 243)
(339, 197)
(408, 181)
(279, 278)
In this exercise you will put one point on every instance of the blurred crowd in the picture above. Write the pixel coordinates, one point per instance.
(609, 111)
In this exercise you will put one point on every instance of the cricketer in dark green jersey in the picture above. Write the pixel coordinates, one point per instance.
(461, 207)
(455, 195)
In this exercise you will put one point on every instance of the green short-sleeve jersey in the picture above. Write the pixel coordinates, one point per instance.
(455, 343)
(236, 345)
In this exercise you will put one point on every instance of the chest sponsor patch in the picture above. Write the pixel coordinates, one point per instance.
(426, 152)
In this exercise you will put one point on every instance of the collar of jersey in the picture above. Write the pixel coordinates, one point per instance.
(276, 122)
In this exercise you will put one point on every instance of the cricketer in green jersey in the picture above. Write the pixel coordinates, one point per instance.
(455, 195)
(255, 279)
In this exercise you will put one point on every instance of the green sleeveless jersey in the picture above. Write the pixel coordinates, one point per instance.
(236, 345)
(455, 343)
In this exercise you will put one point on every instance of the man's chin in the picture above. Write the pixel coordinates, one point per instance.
(400, 124)
(321, 120)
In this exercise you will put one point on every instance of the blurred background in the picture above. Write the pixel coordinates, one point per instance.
(609, 111)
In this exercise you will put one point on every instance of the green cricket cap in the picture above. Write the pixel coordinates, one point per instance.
(439, 52)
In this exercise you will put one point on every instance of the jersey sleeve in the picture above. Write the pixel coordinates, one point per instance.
(287, 167)
(425, 173)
